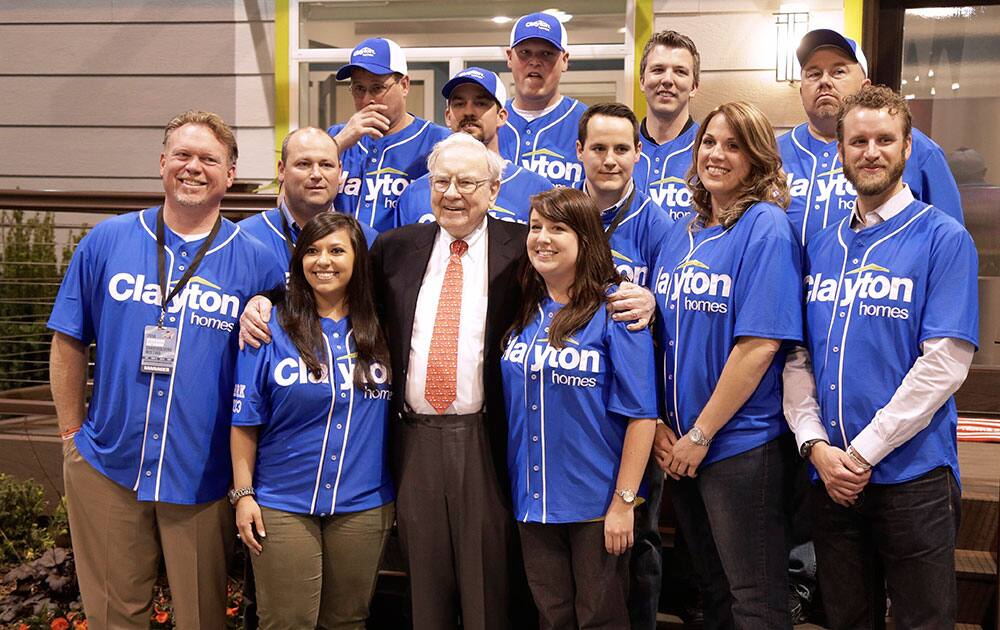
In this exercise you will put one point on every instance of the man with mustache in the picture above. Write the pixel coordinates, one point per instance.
(892, 319)
(476, 106)
(668, 75)
(833, 68)
(541, 128)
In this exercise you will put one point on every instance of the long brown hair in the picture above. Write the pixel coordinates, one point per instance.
(297, 313)
(594, 269)
(766, 181)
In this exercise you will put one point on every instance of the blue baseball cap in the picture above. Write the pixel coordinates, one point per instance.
(489, 81)
(539, 26)
(822, 37)
(377, 55)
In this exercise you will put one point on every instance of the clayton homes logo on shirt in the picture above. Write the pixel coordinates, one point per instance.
(568, 358)
(701, 288)
(826, 185)
(672, 194)
(199, 297)
(870, 282)
(551, 165)
(384, 183)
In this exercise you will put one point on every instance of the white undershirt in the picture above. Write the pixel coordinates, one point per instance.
(531, 114)
(470, 395)
(936, 374)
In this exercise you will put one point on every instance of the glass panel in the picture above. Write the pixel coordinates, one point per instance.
(951, 74)
(428, 23)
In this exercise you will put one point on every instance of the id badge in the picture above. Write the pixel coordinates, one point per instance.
(159, 347)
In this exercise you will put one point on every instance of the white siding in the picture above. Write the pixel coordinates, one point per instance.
(86, 86)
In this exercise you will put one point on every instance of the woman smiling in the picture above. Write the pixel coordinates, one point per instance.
(312, 489)
(581, 405)
(729, 294)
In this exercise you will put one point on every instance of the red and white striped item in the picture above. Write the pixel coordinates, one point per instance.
(979, 429)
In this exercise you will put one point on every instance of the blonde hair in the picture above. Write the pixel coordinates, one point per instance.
(766, 181)
(214, 122)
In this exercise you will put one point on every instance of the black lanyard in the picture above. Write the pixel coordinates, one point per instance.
(161, 261)
(620, 215)
(287, 230)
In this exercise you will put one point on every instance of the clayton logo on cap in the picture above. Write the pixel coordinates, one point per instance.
(364, 52)
(538, 24)
(473, 73)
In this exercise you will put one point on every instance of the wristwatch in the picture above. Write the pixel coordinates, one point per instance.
(235, 495)
(698, 436)
(627, 495)
(806, 449)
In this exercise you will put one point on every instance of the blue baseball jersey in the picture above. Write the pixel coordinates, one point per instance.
(321, 448)
(513, 202)
(713, 286)
(635, 243)
(266, 228)
(547, 144)
(662, 170)
(376, 171)
(872, 297)
(165, 436)
(822, 196)
(568, 410)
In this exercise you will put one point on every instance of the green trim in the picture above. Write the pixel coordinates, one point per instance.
(282, 97)
(853, 12)
(643, 29)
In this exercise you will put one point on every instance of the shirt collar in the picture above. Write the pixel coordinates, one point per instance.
(893, 206)
(471, 239)
(612, 210)
(644, 132)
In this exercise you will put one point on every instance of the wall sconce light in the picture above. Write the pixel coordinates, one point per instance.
(790, 27)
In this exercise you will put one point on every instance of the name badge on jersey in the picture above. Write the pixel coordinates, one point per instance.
(159, 348)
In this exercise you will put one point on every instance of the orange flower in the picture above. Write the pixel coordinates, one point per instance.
(80, 625)
(24, 626)
(162, 617)
(231, 612)
(59, 623)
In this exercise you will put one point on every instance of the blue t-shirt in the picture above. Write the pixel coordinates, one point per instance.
(165, 436)
(713, 286)
(822, 196)
(662, 170)
(547, 144)
(376, 171)
(266, 228)
(568, 410)
(872, 297)
(513, 202)
(635, 243)
(321, 448)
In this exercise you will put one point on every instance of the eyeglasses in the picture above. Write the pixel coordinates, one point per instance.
(376, 90)
(463, 186)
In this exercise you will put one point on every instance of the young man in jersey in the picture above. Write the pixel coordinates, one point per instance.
(668, 75)
(309, 174)
(383, 147)
(541, 128)
(609, 148)
(146, 466)
(892, 317)
(476, 100)
(833, 68)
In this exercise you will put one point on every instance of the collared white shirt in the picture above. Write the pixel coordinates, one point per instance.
(470, 395)
(893, 206)
(934, 377)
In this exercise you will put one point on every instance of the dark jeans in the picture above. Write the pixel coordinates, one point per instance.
(645, 567)
(896, 535)
(732, 516)
(576, 583)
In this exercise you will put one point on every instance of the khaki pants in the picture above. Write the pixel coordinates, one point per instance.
(117, 541)
(319, 572)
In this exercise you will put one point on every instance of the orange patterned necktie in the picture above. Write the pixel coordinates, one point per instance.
(442, 361)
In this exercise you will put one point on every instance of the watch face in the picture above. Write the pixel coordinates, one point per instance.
(627, 496)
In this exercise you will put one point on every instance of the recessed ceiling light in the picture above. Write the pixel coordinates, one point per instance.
(502, 19)
(954, 86)
(559, 14)
(622, 30)
(910, 97)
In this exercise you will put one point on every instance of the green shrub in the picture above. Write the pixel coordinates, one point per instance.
(26, 528)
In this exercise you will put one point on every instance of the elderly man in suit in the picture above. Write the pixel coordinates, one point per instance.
(448, 291)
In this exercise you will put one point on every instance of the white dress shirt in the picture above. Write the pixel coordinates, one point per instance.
(470, 395)
(934, 377)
